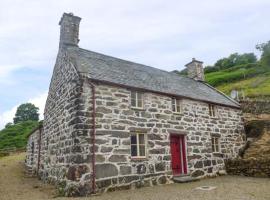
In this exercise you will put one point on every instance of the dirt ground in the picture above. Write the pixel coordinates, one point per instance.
(15, 186)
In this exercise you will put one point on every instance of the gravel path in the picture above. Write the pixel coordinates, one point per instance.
(14, 185)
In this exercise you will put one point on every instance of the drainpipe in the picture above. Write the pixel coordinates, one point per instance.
(39, 147)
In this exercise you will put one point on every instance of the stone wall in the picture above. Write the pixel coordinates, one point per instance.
(66, 144)
(32, 152)
(116, 120)
(249, 167)
(256, 106)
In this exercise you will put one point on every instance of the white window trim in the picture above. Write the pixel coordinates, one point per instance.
(215, 144)
(174, 104)
(138, 145)
(136, 100)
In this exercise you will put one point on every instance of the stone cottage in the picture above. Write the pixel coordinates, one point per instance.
(114, 124)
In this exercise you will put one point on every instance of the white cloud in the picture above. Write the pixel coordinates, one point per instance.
(39, 101)
(159, 33)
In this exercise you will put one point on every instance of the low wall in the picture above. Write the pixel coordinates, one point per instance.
(256, 106)
(249, 167)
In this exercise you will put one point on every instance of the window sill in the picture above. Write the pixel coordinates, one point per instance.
(178, 113)
(213, 117)
(137, 108)
(138, 159)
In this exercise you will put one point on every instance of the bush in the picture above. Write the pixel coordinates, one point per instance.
(16, 135)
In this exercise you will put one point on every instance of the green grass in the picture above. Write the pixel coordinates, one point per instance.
(252, 79)
(234, 74)
(16, 135)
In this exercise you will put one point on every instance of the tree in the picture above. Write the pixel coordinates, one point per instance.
(265, 49)
(25, 112)
(236, 59)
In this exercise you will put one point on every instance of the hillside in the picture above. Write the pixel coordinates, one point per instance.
(252, 79)
(16, 135)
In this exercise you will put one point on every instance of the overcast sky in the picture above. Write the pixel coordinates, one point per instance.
(163, 34)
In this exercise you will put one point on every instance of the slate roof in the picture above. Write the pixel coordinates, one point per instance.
(114, 70)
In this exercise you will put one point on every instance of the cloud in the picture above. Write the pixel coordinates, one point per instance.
(8, 115)
(159, 33)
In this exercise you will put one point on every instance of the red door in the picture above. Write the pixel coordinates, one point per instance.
(178, 153)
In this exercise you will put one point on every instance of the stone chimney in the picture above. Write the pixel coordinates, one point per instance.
(195, 70)
(69, 29)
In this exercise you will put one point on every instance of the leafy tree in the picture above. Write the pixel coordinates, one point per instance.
(25, 112)
(265, 49)
(246, 58)
(236, 59)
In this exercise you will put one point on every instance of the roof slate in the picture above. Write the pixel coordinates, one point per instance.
(114, 70)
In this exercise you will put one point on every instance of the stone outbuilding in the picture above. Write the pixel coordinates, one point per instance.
(33, 148)
(113, 124)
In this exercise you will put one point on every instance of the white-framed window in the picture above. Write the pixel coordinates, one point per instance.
(176, 105)
(136, 99)
(215, 145)
(212, 110)
(138, 145)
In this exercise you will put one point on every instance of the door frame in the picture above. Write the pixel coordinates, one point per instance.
(185, 142)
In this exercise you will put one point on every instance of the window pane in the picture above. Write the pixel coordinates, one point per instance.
(139, 103)
(133, 102)
(139, 96)
(213, 144)
(133, 139)
(217, 144)
(133, 95)
(173, 105)
(178, 108)
(142, 150)
(141, 139)
(133, 150)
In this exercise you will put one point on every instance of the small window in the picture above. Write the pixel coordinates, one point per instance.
(136, 99)
(212, 110)
(176, 105)
(215, 145)
(138, 147)
(33, 147)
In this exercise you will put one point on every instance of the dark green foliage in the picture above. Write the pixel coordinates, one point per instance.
(209, 69)
(265, 57)
(8, 125)
(16, 135)
(25, 112)
(182, 72)
(234, 59)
